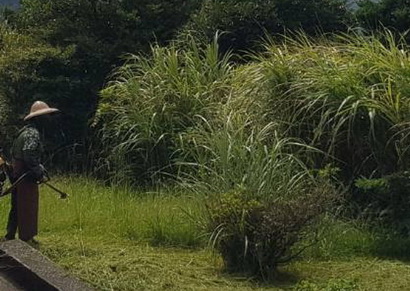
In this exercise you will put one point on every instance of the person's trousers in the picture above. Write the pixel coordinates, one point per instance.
(12, 222)
(23, 214)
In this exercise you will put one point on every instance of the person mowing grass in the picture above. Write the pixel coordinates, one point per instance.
(26, 158)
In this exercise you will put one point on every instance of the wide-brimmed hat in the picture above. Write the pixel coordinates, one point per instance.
(40, 108)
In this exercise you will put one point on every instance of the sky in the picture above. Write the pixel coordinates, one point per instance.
(9, 2)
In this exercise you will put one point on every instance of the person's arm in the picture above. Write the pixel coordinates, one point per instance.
(32, 154)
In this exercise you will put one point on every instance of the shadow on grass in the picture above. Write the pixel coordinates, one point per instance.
(392, 247)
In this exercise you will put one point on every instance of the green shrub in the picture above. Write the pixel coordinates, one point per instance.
(254, 236)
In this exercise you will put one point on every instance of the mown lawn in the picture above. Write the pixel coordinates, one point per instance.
(118, 264)
(116, 239)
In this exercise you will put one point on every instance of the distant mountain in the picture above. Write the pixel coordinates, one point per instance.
(353, 3)
(12, 3)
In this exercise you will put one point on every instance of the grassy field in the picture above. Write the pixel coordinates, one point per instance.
(115, 239)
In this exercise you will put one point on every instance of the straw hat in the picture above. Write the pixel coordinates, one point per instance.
(40, 108)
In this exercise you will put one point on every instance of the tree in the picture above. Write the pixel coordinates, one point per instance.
(393, 14)
(246, 22)
(29, 70)
(97, 33)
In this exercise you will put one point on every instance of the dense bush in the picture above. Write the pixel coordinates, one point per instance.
(255, 235)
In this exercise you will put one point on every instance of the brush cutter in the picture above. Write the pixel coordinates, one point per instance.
(63, 195)
(6, 168)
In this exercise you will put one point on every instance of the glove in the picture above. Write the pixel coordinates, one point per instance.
(39, 173)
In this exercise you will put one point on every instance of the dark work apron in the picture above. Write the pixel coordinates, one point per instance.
(27, 202)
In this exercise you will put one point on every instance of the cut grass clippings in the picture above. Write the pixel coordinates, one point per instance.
(116, 264)
(124, 265)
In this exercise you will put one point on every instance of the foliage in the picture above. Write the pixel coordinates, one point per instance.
(102, 30)
(93, 35)
(393, 14)
(247, 22)
(256, 236)
(346, 97)
(152, 101)
(322, 15)
(255, 225)
(385, 200)
(190, 105)
(29, 70)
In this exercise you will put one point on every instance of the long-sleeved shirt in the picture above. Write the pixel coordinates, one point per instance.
(27, 147)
